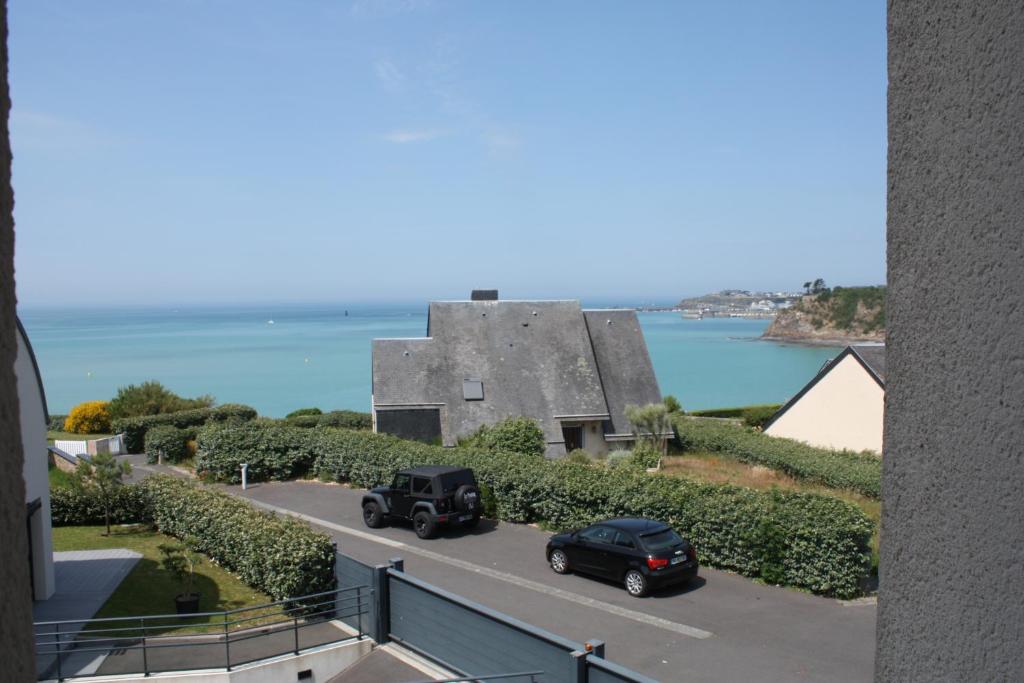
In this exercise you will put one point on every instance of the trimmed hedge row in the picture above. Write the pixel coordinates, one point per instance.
(135, 428)
(343, 419)
(277, 555)
(74, 507)
(281, 557)
(860, 472)
(752, 416)
(814, 542)
(167, 443)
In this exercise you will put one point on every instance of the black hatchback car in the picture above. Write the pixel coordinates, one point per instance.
(641, 553)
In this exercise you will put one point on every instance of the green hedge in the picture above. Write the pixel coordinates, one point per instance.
(860, 472)
(303, 411)
(343, 419)
(752, 416)
(279, 556)
(135, 428)
(826, 541)
(168, 443)
(75, 507)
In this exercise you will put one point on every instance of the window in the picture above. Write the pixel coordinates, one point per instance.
(401, 482)
(623, 540)
(421, 486)
(472, 390)
(661, 540)
(598, 534)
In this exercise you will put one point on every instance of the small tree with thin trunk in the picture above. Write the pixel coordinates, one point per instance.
(103, 475)
(651, 426)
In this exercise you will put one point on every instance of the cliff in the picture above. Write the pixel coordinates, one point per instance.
(842, 315)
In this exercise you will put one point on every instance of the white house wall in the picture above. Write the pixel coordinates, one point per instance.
(37, 485)
(842, 411)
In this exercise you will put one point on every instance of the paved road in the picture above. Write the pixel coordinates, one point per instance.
(722, 628)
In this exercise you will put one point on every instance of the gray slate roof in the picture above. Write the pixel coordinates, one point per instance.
(535, 358)
(873, 356)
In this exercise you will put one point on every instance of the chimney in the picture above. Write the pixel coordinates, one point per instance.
(484, 295)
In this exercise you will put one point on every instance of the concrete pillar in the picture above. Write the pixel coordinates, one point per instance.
(16, 646)
(951, 602)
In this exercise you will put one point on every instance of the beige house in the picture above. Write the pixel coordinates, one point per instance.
(842, 406)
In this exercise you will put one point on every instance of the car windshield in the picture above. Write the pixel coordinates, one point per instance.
(661, 540)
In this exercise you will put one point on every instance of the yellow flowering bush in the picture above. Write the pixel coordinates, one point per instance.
(91, 417)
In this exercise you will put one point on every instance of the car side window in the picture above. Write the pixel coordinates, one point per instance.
(401, 483)
(421, 486)
(623, 540)
(598, 534)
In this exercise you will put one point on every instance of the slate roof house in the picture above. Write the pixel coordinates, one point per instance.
(485, 359)
(842, 407)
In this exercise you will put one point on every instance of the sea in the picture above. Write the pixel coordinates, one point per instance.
(283, 357)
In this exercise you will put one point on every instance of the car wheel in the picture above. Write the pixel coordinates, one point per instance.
(424, 525)
(372, 515)
(636, 583)
(471, 523)
(559, 562)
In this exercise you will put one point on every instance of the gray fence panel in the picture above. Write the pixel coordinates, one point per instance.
(353, 573)
(603, 671)
(473, 638)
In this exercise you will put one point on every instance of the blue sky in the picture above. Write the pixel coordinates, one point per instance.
(181, 152)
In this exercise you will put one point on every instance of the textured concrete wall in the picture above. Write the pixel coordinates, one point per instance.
(16, 606)
(951, 605)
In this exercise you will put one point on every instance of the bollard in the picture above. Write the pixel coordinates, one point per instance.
(245, 472)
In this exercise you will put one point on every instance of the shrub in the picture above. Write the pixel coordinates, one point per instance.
(273, 449)
(646, 457)
(739, 412)
(579, 456)
(346, 419)
(74, 506)
(152, 398)
(758, 416)
(279, 556)
(860, 472)
(168, 443)
(91, 417)
(516, 434)
(303, 411)
(619, 458)
(304, 421)
(135, 428)
(672, 404)
(651, 424)
(56, 423)
(825, 539)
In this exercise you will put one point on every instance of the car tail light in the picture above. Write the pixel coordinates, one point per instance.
(655, 563)
(691, 552)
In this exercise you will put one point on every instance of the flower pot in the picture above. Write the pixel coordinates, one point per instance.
(187, 604)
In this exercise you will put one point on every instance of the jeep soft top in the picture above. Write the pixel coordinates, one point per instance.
(429, 495)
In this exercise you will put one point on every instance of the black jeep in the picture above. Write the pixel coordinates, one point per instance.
(428, 496)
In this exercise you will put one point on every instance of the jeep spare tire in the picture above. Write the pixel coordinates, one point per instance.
(467, 498)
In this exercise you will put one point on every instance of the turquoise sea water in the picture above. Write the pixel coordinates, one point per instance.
(318, 356)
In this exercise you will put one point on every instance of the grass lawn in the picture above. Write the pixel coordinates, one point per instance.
(59, 478)
(719, 468)
(149, 589)
(52, 436)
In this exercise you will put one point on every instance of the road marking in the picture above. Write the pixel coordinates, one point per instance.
(576, 598)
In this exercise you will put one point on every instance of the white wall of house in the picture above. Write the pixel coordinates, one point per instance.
(37, 484)
(843, 410)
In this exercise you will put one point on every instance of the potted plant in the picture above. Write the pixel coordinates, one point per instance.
(181, 561)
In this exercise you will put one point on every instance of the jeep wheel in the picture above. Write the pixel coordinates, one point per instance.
(472, 522)
(372, 515)
(636, 583)
(424, 525)
(559, 562)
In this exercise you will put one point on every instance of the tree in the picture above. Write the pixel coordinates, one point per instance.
(152, 398)
(807, 287)
(103, 475)
(91, 417)
(181, 561)
(672, 404)
(651, 426)
(818, 286)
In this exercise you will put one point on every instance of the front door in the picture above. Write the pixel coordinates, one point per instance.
(573, 435)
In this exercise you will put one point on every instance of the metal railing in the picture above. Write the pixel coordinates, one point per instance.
(153, 643)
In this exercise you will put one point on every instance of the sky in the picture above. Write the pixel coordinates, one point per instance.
(404, 150)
